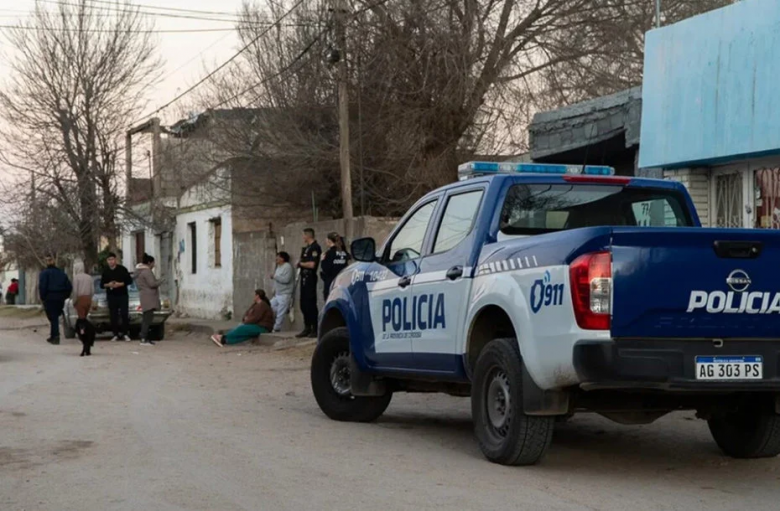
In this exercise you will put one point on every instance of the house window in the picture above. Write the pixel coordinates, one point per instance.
(140, 246)
(194, 246)
(216, 224)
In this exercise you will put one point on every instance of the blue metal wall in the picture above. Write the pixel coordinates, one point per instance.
(711, 90)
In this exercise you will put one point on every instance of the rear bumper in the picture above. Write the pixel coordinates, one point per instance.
(102, 321)
(668, 364)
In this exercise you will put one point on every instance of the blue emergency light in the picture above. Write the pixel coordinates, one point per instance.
(481, 168)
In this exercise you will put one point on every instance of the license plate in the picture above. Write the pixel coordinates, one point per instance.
(729, 368)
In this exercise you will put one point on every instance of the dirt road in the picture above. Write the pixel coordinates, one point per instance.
(188, 426)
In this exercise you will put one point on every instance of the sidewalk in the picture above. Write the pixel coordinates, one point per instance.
(208, 327)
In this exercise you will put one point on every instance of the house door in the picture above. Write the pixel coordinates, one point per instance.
(729, 198)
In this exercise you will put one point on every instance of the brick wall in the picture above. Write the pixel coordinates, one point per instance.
(697, 181)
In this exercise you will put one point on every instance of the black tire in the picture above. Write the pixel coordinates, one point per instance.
(505, 434)
(67, 332)
(752, 431)
(332, 353)
(157, 332)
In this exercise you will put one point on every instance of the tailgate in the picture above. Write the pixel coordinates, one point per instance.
(696, 283)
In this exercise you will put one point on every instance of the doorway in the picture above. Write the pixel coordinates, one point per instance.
(746, 196)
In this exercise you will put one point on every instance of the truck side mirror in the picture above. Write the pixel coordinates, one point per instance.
(364, 250)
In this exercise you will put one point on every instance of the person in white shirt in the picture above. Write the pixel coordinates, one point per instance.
(284, 287)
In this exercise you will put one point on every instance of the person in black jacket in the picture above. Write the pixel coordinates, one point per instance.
(308, 264)
(54, 288)
(335, 259)
(115, 280)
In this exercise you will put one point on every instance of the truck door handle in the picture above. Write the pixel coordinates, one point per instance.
(404, 281)
(455, 272)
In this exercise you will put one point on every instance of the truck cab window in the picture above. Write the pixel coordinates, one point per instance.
(458, 220)
(408, 242)
(537, 209)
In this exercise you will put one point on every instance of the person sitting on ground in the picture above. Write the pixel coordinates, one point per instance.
(259, 319)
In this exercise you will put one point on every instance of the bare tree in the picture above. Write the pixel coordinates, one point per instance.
(618, 62)
(432, 83)
(78, 75)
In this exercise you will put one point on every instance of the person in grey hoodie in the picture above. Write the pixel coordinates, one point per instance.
(284, 287)
(149, 294)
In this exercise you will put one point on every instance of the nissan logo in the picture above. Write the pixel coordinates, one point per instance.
(738, 281)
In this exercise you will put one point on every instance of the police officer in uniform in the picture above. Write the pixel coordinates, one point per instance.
(308, 264)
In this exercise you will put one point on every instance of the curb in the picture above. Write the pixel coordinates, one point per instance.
(274, 340)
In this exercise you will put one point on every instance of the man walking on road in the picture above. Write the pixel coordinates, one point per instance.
(284, 287)
(54, 288)
(115, 280)
(309, 263)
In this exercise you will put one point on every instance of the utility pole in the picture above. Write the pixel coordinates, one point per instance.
(657, 13)
(340, 15)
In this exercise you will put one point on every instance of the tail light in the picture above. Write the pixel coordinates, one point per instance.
(591, 290)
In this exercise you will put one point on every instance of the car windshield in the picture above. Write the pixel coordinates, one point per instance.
(538, 208)
(132, 288)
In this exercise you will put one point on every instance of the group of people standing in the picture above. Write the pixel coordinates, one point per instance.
(266, 315)
(330, 263)
(54, 288)
(263, 316)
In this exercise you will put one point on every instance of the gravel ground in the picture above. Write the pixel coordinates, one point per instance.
(189, 426)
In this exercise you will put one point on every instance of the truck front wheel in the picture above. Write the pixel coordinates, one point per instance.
(750, 431)
(506, 435)
(330, 382)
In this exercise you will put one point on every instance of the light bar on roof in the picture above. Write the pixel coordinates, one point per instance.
(481, 168)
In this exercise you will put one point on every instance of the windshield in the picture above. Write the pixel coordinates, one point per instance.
(537, 208)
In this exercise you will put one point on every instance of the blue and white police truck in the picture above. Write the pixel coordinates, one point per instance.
(544, 290)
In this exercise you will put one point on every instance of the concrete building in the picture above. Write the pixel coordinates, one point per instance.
(601, 131)
(203, 263)
(710, 111)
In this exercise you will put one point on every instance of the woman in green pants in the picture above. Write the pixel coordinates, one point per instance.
(259, 319)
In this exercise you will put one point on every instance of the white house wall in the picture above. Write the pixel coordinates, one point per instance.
(208, 292)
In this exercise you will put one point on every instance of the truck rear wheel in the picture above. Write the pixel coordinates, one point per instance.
(330, 382)
(506, 435)
(751, 431)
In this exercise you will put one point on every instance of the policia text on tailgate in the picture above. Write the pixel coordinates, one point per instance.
(545, 290)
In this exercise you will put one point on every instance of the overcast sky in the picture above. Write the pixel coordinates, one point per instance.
(187, 56)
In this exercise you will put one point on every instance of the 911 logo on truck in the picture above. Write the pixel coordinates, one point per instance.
(544, 294)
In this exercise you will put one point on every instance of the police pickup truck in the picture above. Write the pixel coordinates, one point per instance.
(545, 290)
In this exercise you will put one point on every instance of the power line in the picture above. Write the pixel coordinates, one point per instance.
(98, 31)
(121, 151)
(188, 62)
(224, 64)
(131, 9)
(173, 9)
(275, 75)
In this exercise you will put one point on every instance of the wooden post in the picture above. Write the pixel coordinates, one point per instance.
(340, 13)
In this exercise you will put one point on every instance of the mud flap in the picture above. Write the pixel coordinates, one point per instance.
(364, 384)
(543, 402)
